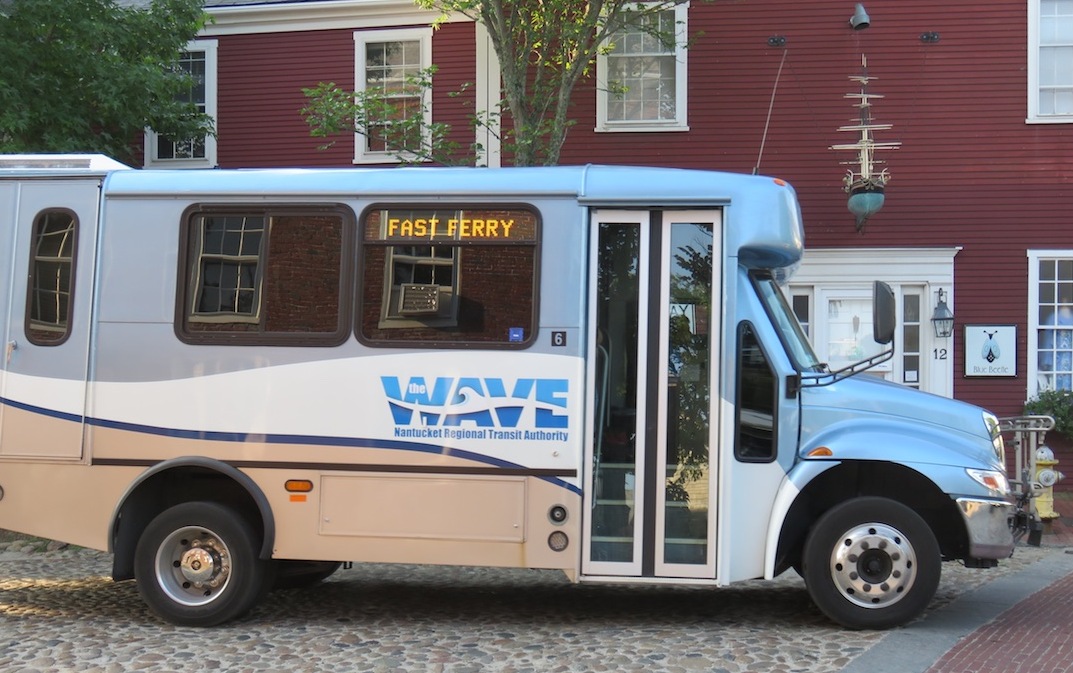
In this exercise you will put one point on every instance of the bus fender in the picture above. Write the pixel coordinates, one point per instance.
(204, 463)
(791, 486)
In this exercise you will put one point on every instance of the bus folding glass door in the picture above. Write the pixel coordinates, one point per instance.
(653, 335)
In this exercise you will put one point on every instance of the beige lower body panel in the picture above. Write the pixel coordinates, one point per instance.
(72, 503)
(437, 509)
(416, 518)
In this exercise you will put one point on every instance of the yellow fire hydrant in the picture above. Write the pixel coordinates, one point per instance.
(1047, 477)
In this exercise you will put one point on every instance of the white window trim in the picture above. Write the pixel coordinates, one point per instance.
(1034, 258)
(151, 138)
(1034, 116)
(363, 37)
(679, 123)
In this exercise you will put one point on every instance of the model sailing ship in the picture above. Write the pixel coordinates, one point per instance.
(864, 183)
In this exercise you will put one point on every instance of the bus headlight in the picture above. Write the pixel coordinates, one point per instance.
(992, 480)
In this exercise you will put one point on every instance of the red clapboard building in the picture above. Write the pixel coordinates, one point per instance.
(978, 210)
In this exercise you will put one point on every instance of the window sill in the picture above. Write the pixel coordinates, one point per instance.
(1056, 119)
(647, 128)
(180, 163)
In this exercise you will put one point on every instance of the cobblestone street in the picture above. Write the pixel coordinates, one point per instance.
(59, 611)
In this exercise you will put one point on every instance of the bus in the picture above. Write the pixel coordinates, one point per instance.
(234, 380)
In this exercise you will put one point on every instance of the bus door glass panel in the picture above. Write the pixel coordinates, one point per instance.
(48, 333)
(617, 374)
(844, 330)
(650, 485)
(685, 523)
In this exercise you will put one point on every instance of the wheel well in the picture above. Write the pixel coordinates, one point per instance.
(170, 486)
(876, 478)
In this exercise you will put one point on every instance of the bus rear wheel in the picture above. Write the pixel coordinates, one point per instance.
(871, 563)
(196, 564)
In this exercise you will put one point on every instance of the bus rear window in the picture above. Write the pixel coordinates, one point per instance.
(449, 276)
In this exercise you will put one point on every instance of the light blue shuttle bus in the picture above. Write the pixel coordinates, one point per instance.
(237, 379)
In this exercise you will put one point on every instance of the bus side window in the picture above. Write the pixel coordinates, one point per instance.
(449, 277)
(756, 403)
(264, 275)
(48, 310)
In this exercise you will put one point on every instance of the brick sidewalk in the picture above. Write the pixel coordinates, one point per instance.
(1035, 635)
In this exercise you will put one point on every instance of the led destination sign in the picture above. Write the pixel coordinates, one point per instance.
(423, 226)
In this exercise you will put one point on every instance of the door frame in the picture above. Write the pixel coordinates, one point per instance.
(654, 266)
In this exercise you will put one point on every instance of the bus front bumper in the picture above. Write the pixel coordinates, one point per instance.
(988, 525)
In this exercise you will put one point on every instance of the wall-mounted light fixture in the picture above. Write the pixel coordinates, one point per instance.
(930, 37)
(860, 19)
(776, 41)
(942, 319)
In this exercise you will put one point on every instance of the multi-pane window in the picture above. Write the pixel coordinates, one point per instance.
(199, 62)
(51, 277)
(424, 284)
(390, 64)
(801, 304)
(1050, 60)
(227, 285)
(264, 275)
(193, 64)
(450, 276)
(911, 338)
(643, 75)
(1051, 322)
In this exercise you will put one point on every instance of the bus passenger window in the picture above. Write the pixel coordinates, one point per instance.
(267, 276)
(756, 405)
(48, 311)
(449, 276)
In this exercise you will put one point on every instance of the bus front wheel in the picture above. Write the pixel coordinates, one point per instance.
(196, 564)
(871, 563)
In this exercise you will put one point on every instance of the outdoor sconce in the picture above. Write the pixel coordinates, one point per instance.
(942, 319)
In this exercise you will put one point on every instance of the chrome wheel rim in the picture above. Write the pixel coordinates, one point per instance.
(193, 566)
(873, 565)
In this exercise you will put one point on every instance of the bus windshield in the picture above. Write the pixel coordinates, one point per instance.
(793, 337)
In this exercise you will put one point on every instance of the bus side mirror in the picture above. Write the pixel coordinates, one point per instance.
(883, 315)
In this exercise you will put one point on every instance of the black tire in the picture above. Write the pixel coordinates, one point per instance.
(871, 563)
(196, 564)
(302, 574)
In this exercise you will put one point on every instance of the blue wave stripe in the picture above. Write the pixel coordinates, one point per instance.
(310, 440)
(51, 413)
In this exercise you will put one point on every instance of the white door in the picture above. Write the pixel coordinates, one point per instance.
(654, 325)
(844, 329)
(47, 320)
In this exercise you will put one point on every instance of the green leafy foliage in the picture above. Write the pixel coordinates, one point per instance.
(1058, 404)
(332, 111)
(90, 75)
